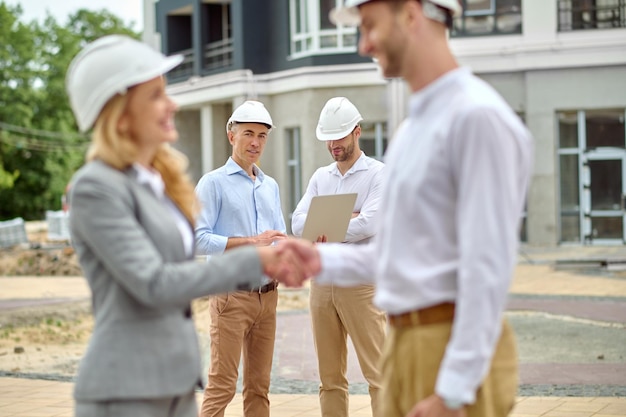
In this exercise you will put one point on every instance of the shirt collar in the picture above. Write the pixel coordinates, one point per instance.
(150, 178)
(359, 165)
(233, 167)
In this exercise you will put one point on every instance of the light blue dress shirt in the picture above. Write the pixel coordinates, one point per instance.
(234, 205)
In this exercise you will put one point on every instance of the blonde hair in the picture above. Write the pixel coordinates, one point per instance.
(119, 150)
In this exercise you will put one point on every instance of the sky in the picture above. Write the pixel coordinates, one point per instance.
(127, 10)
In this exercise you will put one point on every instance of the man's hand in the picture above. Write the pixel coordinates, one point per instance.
(434, 406)
(321, 239)
(291, 262)
(303, 253)
(268, 237)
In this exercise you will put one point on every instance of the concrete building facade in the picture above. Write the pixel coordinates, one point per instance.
(560, 64)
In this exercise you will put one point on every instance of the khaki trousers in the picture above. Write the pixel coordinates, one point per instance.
(411, 361)
(336, 313)
(241, 322)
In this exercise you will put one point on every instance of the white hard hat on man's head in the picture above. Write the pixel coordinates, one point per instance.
(348, 15)
(251, 112)
(109, 66)
(337, 120)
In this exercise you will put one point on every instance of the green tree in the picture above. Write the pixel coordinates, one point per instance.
(39, 144)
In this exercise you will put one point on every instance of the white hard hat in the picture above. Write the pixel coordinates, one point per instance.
(338, 118)
(109, 66)
(251, 112)
(348, 15)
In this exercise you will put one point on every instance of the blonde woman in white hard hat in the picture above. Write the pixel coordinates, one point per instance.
(457, 173)
(132, 227)
(241, 206)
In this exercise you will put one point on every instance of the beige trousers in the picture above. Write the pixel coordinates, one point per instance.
(241, 322)
(335, 314)
(411, 362)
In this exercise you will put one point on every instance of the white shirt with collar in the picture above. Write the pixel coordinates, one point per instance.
(457, 176)
(153, 180)
(365, 178)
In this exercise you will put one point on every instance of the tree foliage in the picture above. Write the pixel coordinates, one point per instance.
(39, 143)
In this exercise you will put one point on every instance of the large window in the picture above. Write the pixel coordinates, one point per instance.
(592, 160)
(591, 14)
(313, 33)
(218, 41)
(294, 169)
(488, 17)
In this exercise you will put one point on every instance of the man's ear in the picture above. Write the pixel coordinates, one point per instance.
(231, 136)
(410, 11)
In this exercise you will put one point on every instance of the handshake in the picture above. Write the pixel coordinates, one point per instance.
(290, 261)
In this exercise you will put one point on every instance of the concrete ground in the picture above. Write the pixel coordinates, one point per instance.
(567, 305)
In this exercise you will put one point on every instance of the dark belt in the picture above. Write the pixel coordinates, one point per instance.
(266, 288)
(439, 313)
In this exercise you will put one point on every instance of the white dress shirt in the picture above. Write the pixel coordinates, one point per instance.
(457, 175)
(364, 177)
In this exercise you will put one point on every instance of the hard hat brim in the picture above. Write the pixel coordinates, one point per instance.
(345, 16)
(91, 114)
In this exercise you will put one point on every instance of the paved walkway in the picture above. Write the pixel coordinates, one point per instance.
(37, 398)
(538, 288)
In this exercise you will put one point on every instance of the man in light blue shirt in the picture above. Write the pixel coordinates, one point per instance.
(241, 206)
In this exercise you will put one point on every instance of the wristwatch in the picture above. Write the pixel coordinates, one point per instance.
(452, 404)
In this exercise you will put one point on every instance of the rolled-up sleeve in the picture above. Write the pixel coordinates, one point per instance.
(207, 241)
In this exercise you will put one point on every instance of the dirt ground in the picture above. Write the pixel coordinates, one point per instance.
(50, 339)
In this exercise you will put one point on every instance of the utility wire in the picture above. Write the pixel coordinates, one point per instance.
(41, 145)
(39, 140)
(45, 133)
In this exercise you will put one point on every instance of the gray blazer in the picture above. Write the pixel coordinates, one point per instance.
(144, 343)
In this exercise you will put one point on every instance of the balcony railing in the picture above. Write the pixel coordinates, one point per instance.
(216, 55)
(505, 19)
(588, 14)
(185, 69)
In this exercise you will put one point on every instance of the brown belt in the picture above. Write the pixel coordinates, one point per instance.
(266, 288)
(439, 313)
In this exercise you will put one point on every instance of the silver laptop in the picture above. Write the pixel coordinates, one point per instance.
(329, 215)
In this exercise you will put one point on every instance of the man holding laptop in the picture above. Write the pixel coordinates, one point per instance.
(337, 312)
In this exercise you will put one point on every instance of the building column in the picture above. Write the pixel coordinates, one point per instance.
(206, 135)
(397, 97)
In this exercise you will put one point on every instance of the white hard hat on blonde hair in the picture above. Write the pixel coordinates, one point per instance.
(338, 118)
(250, 111)
(109, 66)
(348, 15)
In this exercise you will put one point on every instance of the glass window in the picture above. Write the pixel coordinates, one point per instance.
(218, 41)
(591, 14)
(570, 198)
(607, 227)
(312, 32)
(488, 17)
(294, 174)
(570, 227)
(605, 128)
(606, 184)
(373, 140)
(568, 130)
